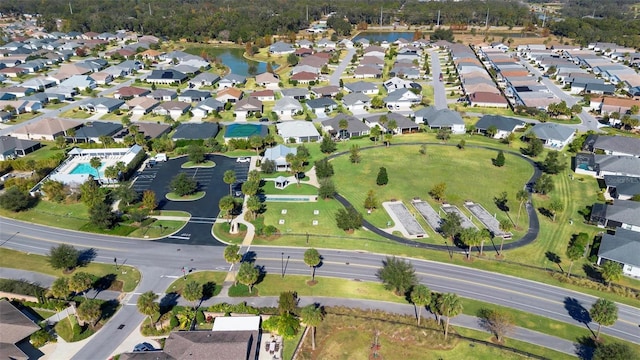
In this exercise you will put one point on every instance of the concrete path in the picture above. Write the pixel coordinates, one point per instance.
(337, 73)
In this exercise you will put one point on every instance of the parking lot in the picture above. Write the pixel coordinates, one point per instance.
(203, 211)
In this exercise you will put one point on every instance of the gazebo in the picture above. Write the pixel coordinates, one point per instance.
(281, 182)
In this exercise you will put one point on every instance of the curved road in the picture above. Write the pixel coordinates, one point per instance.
(161, 263)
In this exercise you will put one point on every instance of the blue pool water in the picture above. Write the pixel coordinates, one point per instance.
(85, 168)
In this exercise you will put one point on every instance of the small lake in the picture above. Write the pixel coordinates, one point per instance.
(234, 59)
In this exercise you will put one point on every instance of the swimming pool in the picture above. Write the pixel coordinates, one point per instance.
(86, 169)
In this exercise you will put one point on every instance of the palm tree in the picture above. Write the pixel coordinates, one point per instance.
(450, 306)
(470, 237)
(312, 316)
(343, 124)
(226, 205)
(147, 304)
(375, 132)
(420, 297)
(604, 312)
(111, 172)
(522, 196)
(229, 178)
(505, 225)
(312, 258)
(232, 254)
(484, 235)
(95, 163)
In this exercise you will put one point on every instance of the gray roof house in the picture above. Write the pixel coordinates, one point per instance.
(362, 87)
(278, 154)
(194, 131)
(503, 125)
(441, 119)
(613, 145)
(193, 95)
(321, 106)
(231, 80)
(204, 79)
(11, 147)
(14, 328)
(296, 93)
(167, 76)
(404, 125)
(355, 127)
(163, 94)
(623, 247)
(555, 136)
(286, 107)
(207, 106)
(356, 102)
(280, 47)
(401, 100)
(91, 132)
(622, 213)
(622, 187)
(299, 130)
(102, 105)
(172, 108)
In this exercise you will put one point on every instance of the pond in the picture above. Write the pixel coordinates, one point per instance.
(234, 59)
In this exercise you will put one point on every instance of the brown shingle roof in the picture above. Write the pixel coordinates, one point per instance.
(48, 126)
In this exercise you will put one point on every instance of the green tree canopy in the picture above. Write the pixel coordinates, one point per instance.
(248, 275)
(63, 256)
(604, 312)
(397, 275)
(312, 258)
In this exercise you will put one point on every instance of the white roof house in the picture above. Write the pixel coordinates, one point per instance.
(300, 131)
(236, 323)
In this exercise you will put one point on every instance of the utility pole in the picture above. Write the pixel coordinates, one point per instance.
(544, 17)
(438, 18)
(150, 9)
(380, 15)
(307, 13)
(486, 21)
(70, 9)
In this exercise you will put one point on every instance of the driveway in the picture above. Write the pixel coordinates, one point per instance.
(203, 211)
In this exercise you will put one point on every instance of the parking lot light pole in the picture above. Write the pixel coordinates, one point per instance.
(282, 265)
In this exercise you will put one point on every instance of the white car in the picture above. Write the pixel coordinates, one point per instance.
(243, 159)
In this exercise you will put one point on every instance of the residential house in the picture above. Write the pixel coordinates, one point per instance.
(487, 99)
(80, 82)
(281, 48)
(362, 87)
(325, 91)
(231, 95)
(441, 119)
(102, 77)
(207, 106)
(12, 147)
(623, 214)
(296, 93)
(38, 84)
(622, 187)
(278, 154)
(231, 80)
(502, 125)
(152, 130)
(354, 127)
(600, 165)
(142, 105)
(553, 135)
(376, 51)
(321, 106)
(167, 76)
(299, 131)
(268, 80)
(172, 108)
(325, 43)
(130, 92)
(15, 330)
(163, 94)
(91, 132)
(287, 107)
(403, 125)
(195, 131)
(18, 91)
(193, 95)
(356, 102)
(367, 72)
(247, 107)
(21, 106)
(613, 145)
(45, 129)
(264, 95)
(396, 83)
(623, 248)
(618, 105)
(244, 131)
(102, 105)
(401, 100)
(304, 77)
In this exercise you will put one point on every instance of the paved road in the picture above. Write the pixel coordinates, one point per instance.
(337, 73)
(439, 93)
(159, 260)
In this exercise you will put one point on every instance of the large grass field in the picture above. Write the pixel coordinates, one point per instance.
(468, 174)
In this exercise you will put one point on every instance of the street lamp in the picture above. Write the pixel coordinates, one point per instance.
(184, 273)
(115, 261)
(282, 265)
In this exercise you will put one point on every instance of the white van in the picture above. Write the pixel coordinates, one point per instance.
(161, 157)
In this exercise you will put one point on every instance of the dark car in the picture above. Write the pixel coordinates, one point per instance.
(264, 120)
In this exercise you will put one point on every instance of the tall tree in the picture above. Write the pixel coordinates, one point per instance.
(60, 288)
(80, 282)
(420, 297)
(499, 160)
(498, 322)
(375, 133)
(255, 206)
(370, 202)
(611, 271)
(229, 178)
(505, 225)
(470, 237)
(574, 252)
(604, 312)
(149, 200)
(449, 306)
(64, 256)
(95, 163)
(354, 154)
(147, 304)
(232, 254)
(226, 206)
(312, 258)
(397, 275)
(312, 316)
(522, 196)
(248, 275)
(256, 142)
(556, 206)
(89, 311)
(287, 302)
(382, 178)
(192, 292)
(614, 351)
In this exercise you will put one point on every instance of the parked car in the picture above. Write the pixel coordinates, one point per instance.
(143, 347)
(264, 120)
(243, 159)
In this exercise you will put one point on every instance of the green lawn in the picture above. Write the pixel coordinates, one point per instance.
(173, 213)
(221, 232)
(202, 278)
(76, 114)
(47, 151)
(269, 188)
(300, 215)
(158, 228)
(38, 263)
(205, 164)
(193, 197)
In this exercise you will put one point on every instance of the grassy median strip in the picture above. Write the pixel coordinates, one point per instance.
(128, 275)
(214, 278)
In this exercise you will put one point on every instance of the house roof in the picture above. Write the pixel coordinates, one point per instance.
(304, 75)
(189, 131)
(47, 126)
(439, 118)
(96, 129)
(152, 130)
(279, 153)
(195, 94)
(320, 103)
(401, 94)
(15, 325)
(132, 91)
(174, 105)
(360, 86)
(329, 90)
(629, 165)
(487, 97)
(354, 124)
(287, 103)
(294, 92)
(624, 185)
(267, 77)
(262, 93)
(620, 144)
(249, 104)
(163, 92)
(401, 121)
(234, 78)
(354, 98)
(551, 131)
(623, 247)
(167, 74)
(233, 92)
(210, 103)
(205, 77)
(143, 102)
(10, 144)
(297, 129)
(624, 211)
(502, 123)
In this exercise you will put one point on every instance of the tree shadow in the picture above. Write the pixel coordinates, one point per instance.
(249, 256)
(586, 212)
(554, 258)
(109, 308)
(577, 311)
(545, 212)
(585, 346)
(262, 273)
(208, 290)
(592, 272)
(104, 283)
(501, 203)
(168, 302)
(86, 256)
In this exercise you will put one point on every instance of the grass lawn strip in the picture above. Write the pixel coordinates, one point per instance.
(221, 232)
(273, 285)
(193, 197)
(269, 188)
(190, 164)
(202, 278)
(18, 260)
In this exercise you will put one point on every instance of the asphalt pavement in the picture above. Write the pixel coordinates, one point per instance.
(439, 93)
(334, 79)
